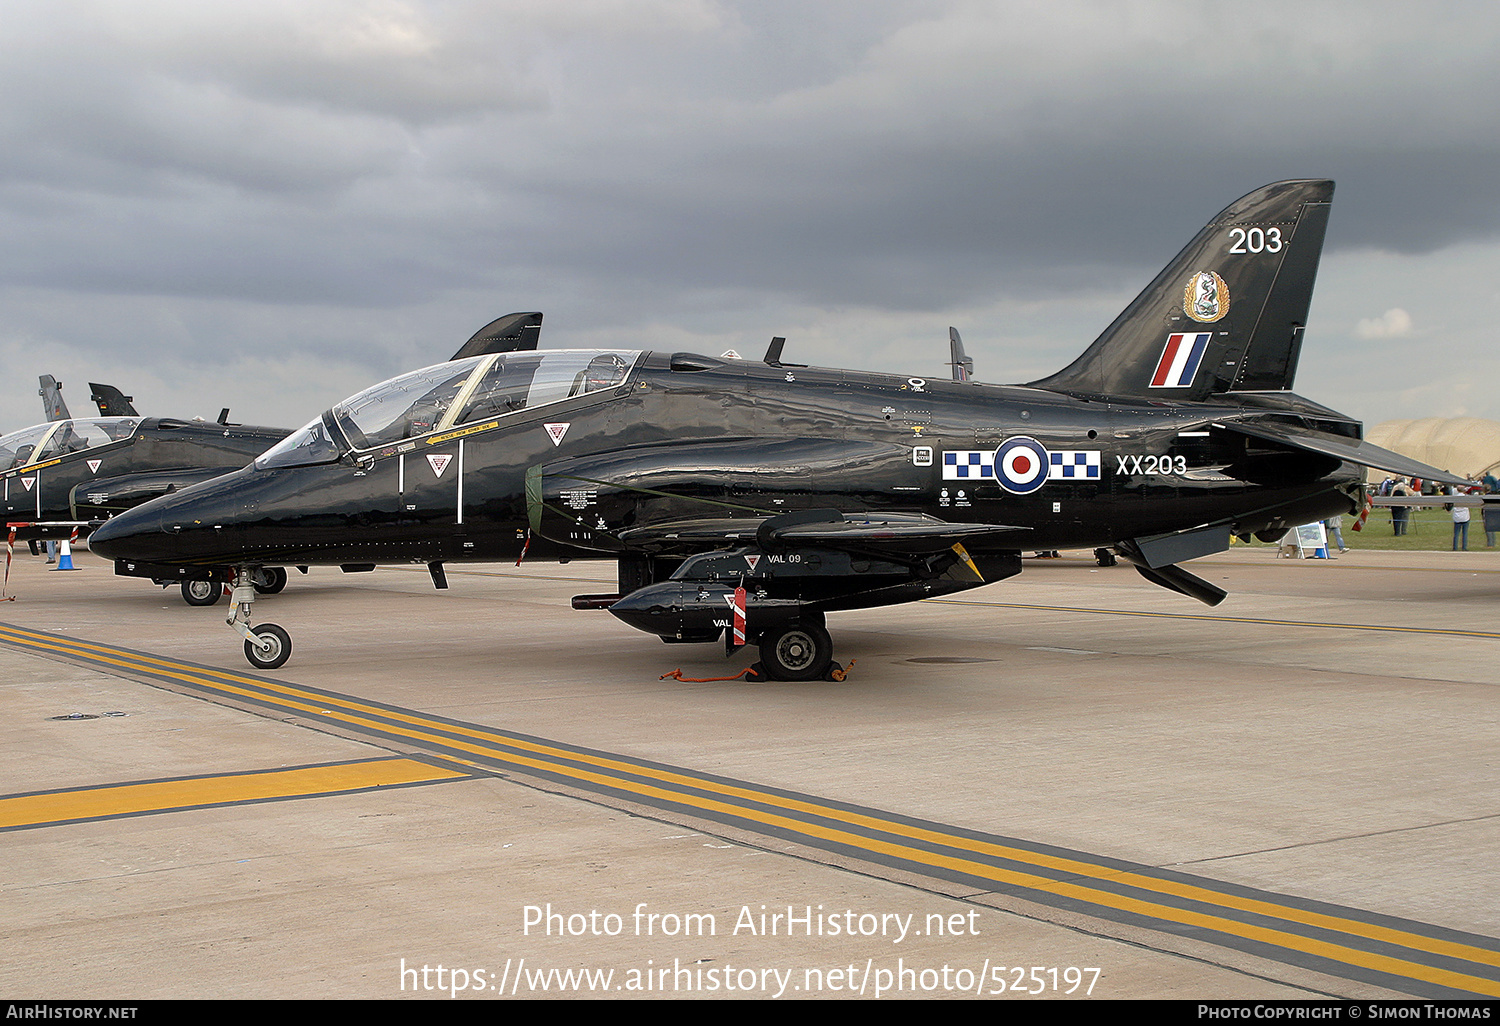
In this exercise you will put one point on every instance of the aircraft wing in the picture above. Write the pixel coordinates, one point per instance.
(1351, 450)
(1435, 500)
(892, 533)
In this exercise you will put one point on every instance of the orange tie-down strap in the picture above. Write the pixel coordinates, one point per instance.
(750, 673)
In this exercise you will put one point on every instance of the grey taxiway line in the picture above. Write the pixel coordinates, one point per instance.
(1291, 795)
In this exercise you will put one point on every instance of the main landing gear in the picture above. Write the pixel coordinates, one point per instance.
(267, 580)
(267, 646)
(797, 652)
(202, 593)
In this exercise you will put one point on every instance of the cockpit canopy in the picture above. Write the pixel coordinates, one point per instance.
(450, 394)
(61, 437)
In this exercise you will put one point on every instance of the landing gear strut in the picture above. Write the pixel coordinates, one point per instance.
(269, 580)
(267, 646)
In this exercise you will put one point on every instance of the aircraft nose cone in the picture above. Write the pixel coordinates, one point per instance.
(126, 535)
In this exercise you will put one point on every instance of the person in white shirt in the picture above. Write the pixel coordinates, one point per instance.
(1460, 525)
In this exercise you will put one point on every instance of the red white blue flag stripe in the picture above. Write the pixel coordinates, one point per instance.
(1180, 359)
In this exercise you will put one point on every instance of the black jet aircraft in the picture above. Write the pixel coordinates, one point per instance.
(748, 500)
(72, 472)
(65, 474)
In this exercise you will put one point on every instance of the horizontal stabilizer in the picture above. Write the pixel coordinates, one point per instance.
(1351, 450)
(1472, 501)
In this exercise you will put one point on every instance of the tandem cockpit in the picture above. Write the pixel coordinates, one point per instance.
(461, 393)
(55, 439)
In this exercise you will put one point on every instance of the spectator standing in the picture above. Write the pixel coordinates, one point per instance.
(1399, 513)
(1335, 527)
(1460, 524)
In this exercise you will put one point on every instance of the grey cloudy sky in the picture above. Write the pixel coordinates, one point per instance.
(271, 205)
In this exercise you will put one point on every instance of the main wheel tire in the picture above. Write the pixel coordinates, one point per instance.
(270, 580)
(202, 593)
(801, 651)
(1104, 557)
(281, 647)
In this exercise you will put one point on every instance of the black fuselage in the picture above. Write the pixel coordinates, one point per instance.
(81, 482)
(688, 437)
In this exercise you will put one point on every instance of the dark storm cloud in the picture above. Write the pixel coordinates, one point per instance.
(1017, 144)
(625, 162)
(355, 152)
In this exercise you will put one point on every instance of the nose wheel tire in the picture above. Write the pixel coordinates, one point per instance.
(279, 651)
(202, 593)
(796, 652)
(270, 580)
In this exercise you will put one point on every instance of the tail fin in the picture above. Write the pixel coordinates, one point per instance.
(1225, 315)
(513, 333)
(962, 363)
(111, 402)
(52, 400)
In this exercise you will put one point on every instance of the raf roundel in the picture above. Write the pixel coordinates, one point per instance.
(1021, 465)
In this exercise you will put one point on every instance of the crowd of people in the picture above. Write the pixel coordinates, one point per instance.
(1401, 515)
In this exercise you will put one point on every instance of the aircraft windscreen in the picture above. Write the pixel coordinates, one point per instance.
(16, 448)
(312, 444)
(403, 407)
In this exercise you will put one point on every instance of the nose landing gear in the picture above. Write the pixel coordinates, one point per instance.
(267, 646)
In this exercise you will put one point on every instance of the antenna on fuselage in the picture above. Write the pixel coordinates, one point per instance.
(773, 354)
(962, 364)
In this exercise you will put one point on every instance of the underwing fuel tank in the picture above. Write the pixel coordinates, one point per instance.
(696, 611)
(697, 602)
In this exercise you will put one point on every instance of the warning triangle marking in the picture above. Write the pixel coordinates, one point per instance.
(94, 466)
(439, 463)
(556, 432)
